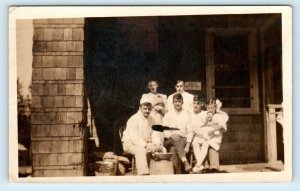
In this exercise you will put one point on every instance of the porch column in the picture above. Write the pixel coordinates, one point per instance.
(274, 114)
(271, 131)
(58, 102)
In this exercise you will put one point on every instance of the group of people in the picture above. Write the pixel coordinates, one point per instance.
(201, 129)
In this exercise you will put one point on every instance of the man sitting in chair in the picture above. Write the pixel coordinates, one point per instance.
(208, 127)
(139, 139)
(175, 140)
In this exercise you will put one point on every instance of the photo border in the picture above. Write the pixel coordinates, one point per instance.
(122, 11)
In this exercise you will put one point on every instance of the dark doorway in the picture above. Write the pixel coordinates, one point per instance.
(120, 57)
(123, 54)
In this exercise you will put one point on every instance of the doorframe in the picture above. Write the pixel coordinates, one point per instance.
(210, 79)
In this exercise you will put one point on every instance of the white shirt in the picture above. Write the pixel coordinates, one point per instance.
(187, 102)
(197, 120)
(139, 131)
(178, 120)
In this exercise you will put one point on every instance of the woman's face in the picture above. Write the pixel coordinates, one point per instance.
(211, 109)
(153, 87)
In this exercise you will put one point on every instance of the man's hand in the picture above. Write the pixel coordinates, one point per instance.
(187, 147)
(175, 137)
(150, 147)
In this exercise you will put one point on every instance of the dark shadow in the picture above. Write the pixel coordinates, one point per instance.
(280, 144)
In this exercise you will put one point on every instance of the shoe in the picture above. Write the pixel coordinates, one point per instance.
(198, 169)
(206, 170)
(187, 166)
(213, 170)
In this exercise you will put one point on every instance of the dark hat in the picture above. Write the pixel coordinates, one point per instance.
(197, 98)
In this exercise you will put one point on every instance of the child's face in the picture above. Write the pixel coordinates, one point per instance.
(211, 109)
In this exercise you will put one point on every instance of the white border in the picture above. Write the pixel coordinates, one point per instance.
(120, 11)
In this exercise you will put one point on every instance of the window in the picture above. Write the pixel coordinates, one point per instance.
(232, 69)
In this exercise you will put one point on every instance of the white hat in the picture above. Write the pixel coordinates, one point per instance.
(145, 100)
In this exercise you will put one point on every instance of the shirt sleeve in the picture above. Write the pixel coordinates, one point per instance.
(133, 133)
(190, 132)
(165, 122)
(222, 120)
(170, 102)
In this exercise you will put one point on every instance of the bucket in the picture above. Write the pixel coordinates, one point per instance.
(106, 168)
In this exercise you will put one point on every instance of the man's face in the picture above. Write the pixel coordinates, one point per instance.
(153, 87)
(211, 109)
(179, 87)
(145, 109)
(197, 106)
(177, 104)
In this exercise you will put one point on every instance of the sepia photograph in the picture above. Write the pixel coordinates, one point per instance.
(150, 94)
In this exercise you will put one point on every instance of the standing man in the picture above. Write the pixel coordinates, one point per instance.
(187, 97)
(139, 139)
(175, 140)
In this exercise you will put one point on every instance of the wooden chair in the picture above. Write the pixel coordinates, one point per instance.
(126, 154)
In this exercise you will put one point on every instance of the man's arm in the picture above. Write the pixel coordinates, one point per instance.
(166, 122)
(133, 130)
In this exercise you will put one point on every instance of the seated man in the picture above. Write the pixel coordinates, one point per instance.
(139, 139)
(208, 130)
(175, 140)
(197, 120)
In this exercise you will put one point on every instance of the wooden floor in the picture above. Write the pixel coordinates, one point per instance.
(254, 167)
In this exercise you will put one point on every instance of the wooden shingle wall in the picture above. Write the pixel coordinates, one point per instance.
(243, 141)
(58, 106)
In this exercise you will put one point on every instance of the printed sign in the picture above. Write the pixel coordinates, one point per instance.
(193, 86)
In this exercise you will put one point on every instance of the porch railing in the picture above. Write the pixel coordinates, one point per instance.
(274, 114)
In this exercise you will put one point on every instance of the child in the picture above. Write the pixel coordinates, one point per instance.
(210, 133)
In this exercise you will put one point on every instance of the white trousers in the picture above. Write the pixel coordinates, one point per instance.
(200, 150)
(140, 154)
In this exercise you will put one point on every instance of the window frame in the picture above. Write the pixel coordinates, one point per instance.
(210, 34)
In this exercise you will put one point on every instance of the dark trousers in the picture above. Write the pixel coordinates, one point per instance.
(177, 148)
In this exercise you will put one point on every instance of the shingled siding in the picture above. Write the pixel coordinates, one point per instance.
(58, 109)
(243, 141)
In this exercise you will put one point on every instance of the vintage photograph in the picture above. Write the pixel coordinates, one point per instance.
(150, 94)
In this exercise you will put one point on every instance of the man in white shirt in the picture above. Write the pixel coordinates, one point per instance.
(187, 98)
(197, 123)
(139, 139)
(175, 140)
